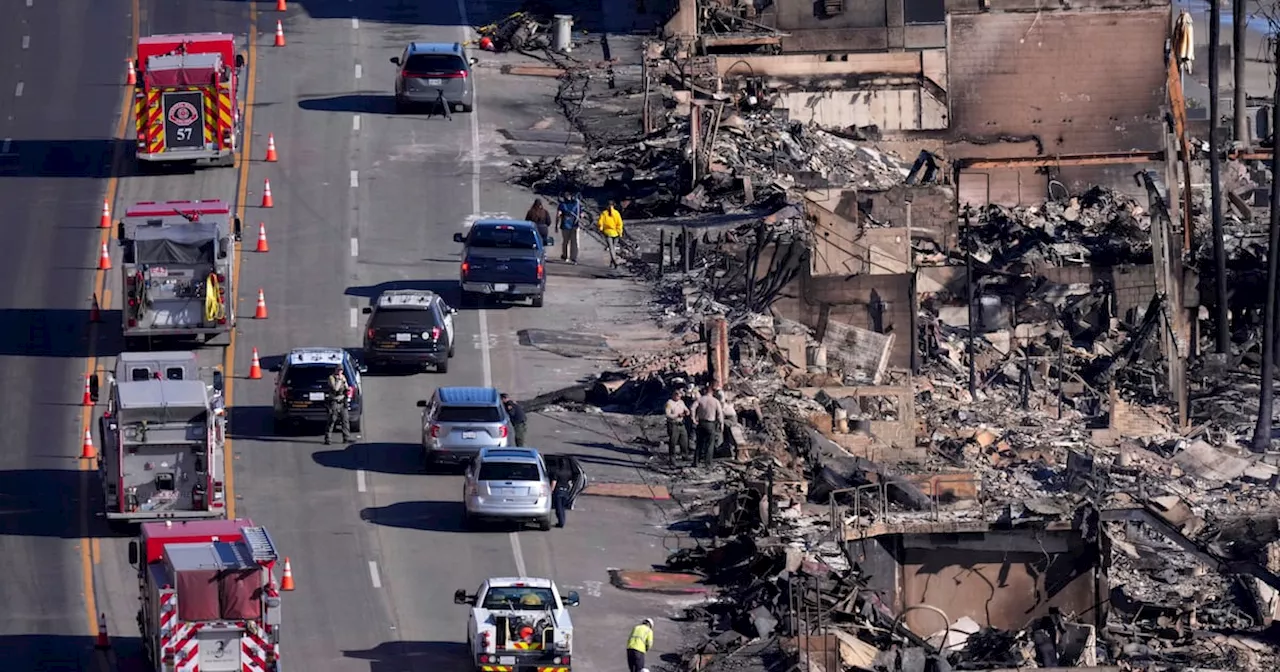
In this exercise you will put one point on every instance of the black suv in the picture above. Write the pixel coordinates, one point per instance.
(409, 327)
(302, 386)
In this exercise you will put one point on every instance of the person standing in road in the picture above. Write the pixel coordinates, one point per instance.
(561, 490)
(638, 644)
(708, 415)
(337, 401)
(517, 416)
(610, 224)
(677, 434)
(540, 218)
(569, 215)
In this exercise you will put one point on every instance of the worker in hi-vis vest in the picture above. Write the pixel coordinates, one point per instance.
(640, 642)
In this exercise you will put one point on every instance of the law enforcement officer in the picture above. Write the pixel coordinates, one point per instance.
(708, 415)
(677, 433)
(337, 399)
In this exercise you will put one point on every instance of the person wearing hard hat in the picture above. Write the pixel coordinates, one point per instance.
(638, 644)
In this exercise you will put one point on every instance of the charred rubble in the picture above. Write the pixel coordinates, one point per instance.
(959, 438)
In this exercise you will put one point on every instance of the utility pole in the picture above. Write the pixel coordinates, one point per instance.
(1239, 25)
(1262, 430)
(1215, 177)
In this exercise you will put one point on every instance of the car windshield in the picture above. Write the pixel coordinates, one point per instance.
(522, 598)
(508, 471)
(469, 414)
(308, 375)
(435, 64)
(513, 237)
(404, 318)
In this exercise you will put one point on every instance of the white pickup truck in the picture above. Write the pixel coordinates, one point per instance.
(519, 625)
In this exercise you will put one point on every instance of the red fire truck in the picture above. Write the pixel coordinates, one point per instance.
(209, 600)
(187, 103)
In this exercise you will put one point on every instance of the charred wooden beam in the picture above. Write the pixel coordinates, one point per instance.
(1097, 159)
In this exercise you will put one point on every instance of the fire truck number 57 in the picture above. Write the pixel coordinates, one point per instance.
(184, 133)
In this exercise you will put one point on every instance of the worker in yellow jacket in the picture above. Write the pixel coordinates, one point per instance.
(610, 224)
(638, 644)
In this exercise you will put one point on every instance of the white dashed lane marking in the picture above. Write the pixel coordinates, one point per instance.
(26, 41)
(355, 23)
(355, 123)
(359, 71)
(355, 322)
(355, 179)
(373, 574)
(361, 485)
(355, 247)
(17, 90)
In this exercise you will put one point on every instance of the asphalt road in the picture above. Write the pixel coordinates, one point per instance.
(365, 200)
(58, 108)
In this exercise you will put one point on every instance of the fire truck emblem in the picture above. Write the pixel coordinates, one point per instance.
(183, 113)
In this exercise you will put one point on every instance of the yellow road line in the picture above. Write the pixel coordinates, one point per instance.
(89, 548)
(229, 359)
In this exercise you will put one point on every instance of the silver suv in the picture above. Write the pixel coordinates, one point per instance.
(457, 422)
(430, 73)
(507, 484)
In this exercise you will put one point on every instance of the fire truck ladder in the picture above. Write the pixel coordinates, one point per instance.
(260, 544)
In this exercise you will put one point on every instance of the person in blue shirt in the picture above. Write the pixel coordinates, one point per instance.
(568, 217)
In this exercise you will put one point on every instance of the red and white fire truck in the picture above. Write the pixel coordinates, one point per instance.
(209, 599)
(187, 104)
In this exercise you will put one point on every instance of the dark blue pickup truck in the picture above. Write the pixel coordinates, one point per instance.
(503, 259)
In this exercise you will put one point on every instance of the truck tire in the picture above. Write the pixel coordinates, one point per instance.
(537, 301)
(544, 524)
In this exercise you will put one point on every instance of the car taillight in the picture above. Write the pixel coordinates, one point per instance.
(502, 432)
(370, 333)
(222, 279)
(484, 640)
(465, 268)
(435, 333)
(435, 431)
(540, 271)
(560, 660)
(461, 74)
(284, 391)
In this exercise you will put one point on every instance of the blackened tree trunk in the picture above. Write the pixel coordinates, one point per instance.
(1262, 431)
(1239, 27)
(1223, 331)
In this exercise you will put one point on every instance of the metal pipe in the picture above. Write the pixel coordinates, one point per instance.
(973, 321)
(1215, 179)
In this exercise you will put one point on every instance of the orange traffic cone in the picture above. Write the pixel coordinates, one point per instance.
(279, 34)
(132, 78)
(287, 582)
(267, 201)
(255, 368)
(105, 222)
(103, 642)
(95, 311)
(104, 260)
(262, 238)
(280, 6)
(88, 399)
(87, 451)
(260, 313)
(271, 148)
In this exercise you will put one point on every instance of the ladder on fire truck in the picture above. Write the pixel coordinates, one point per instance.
(260, 544)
